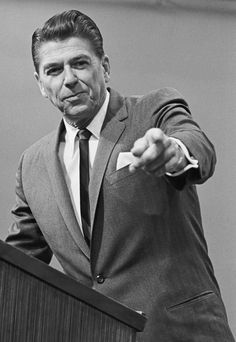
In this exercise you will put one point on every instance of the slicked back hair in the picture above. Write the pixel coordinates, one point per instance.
(65, 25)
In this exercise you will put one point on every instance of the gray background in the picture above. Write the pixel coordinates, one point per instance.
(193, 51)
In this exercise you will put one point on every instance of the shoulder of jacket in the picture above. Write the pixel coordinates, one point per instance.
(38, 147)
(161, 94)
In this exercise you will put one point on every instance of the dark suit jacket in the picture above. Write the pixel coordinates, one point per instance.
(148, 249)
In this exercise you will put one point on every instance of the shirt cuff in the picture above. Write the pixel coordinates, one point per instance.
(193, 163)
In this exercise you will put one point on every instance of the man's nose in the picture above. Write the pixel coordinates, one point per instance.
(70, 77)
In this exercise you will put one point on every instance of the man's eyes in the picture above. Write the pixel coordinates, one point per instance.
(79, 64)
(54, 71)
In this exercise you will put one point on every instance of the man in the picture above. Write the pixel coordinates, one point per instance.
(142, 241)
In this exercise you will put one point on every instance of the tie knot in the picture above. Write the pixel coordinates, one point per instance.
(84, 134)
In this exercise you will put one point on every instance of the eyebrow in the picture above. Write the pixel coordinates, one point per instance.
(73, 59)
(50, 65)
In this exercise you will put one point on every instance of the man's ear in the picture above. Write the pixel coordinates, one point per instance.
(41, 87)
(106, 67)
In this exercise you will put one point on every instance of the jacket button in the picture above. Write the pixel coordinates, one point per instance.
(100, 279)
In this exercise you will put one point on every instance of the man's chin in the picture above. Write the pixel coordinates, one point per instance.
(80, 120)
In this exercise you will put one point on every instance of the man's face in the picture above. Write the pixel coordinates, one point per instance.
(73, 78)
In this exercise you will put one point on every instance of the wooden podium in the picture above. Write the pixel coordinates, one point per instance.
(41, 304)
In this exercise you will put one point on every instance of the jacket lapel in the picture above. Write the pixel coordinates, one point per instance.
(61, 192)
(111, 131)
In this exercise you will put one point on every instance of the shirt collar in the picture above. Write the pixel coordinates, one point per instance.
(95, 125)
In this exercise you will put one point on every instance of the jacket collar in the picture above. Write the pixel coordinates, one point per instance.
(60, 190)
(113, 127)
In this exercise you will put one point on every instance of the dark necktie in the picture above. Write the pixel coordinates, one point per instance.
(84, 136)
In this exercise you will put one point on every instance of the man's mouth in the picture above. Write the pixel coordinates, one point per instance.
(74, 97)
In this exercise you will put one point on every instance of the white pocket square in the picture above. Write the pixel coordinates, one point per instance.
(124, 159)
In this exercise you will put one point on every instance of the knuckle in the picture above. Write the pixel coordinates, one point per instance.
(154, 134)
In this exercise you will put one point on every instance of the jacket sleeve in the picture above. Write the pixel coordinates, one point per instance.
(24, 233)
(175, 119)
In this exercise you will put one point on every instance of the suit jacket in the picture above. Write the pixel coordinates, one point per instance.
(148, 249)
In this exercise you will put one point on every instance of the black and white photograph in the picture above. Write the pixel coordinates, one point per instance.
(118, 171)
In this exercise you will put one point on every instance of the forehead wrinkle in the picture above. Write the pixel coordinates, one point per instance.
(56, 54)
(67, 45)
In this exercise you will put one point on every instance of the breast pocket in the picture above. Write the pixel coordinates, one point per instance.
(138, 191)
(121, 174)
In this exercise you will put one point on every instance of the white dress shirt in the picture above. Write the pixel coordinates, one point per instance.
(69, 154)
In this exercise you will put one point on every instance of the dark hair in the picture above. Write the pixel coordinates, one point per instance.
(65, 25)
